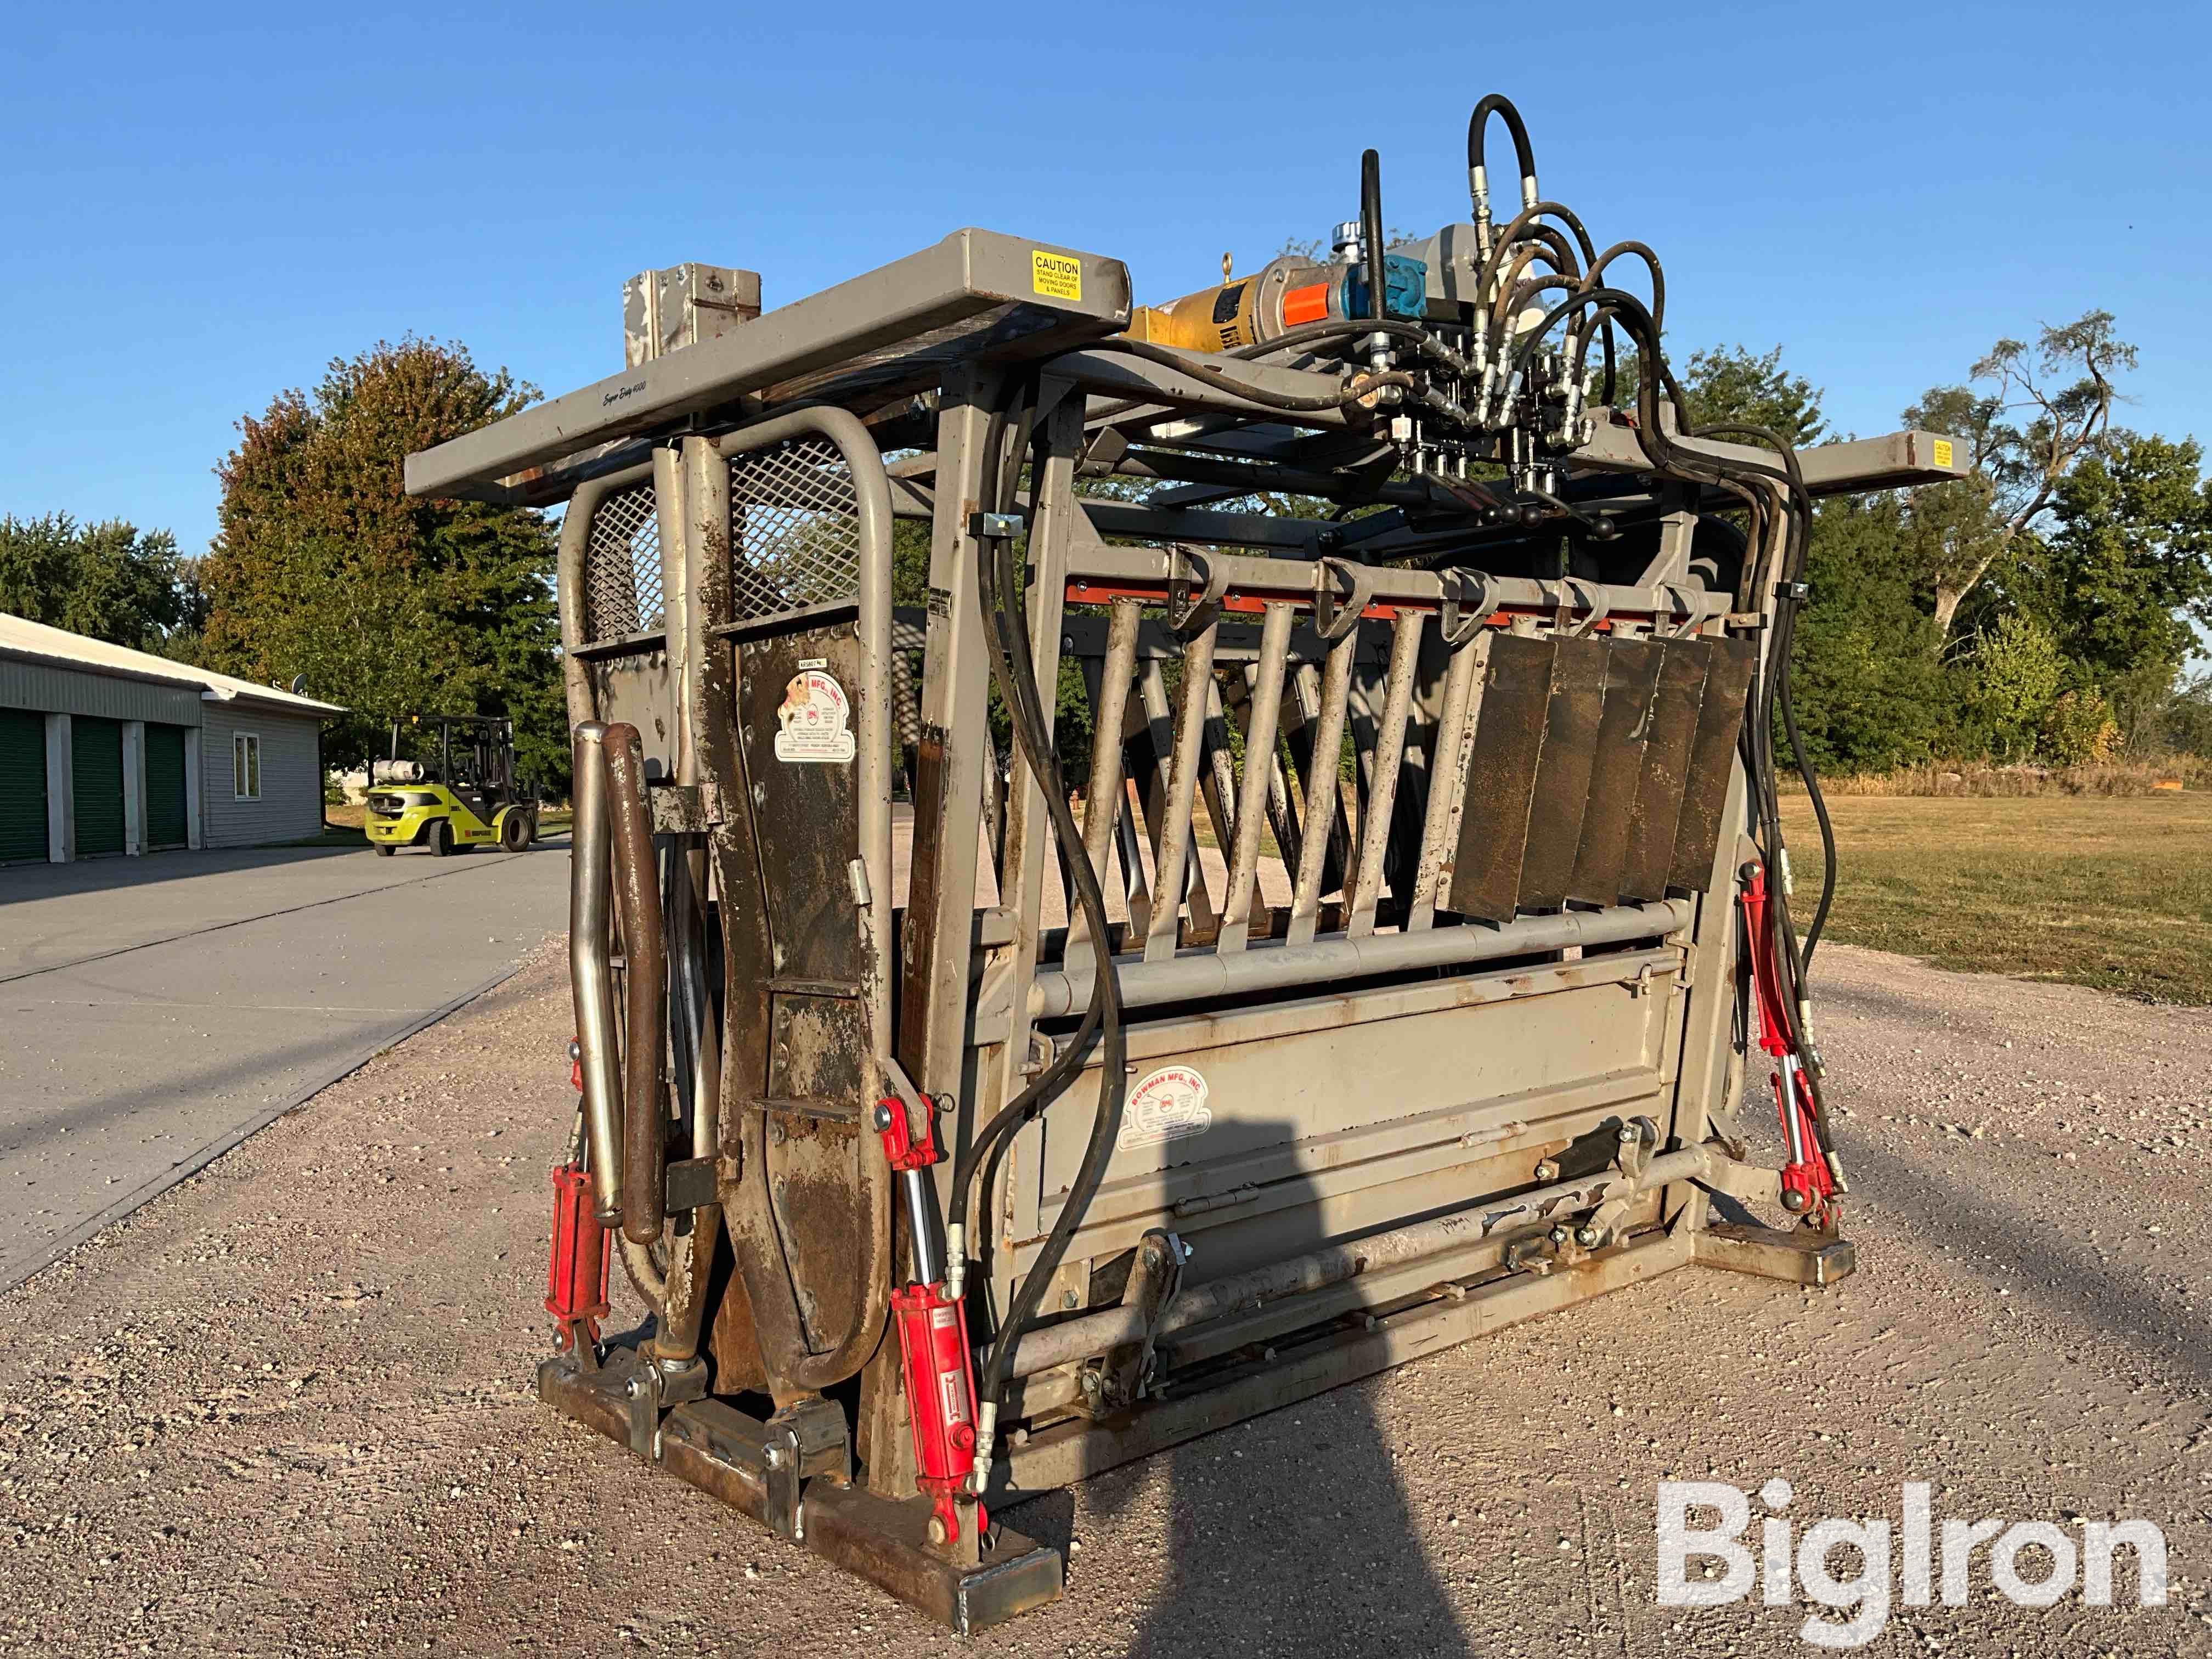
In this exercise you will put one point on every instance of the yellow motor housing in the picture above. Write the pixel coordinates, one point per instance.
(1288, 291)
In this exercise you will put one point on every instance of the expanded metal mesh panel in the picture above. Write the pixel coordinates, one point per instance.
(623, 592)
(794, 529)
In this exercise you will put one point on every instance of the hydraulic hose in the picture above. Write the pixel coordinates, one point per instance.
(1013, 668)
(1287, 401)
(1478, 175)
(1370, 230)
(1308, 334)
(1787, 609)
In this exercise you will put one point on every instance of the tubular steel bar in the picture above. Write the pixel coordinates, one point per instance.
(1196, 975)
(1103, 795)
(1455, 738)
(1389, 755)
(1322, 790)
(591, 975)
(1096, 568)
(1261, 764)
(1081, 1339)
(569, 589)
(645, 987)
(970, 274)
(1069, 1451)
(1171, 853)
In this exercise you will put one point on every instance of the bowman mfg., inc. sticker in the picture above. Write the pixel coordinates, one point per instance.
(1169, 1105)
(815, 722)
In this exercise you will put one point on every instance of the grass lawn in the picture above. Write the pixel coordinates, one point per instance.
(2115, 892)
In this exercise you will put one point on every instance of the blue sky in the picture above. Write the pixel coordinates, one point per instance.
(200, 213)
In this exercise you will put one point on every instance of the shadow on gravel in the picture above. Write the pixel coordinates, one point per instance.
(2057, 1277)
(1288, 1534)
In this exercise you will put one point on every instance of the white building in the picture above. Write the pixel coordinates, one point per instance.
(104, 750)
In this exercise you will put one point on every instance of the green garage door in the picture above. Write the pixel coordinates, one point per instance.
(22, 785)
(96, 772)
(165, 786)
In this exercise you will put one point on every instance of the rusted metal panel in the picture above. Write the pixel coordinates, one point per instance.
(808, 807)
(1561, 793)
(1617, 762)
(1720, 718)
(1501, 775)
(1667, 746)
(806, 814)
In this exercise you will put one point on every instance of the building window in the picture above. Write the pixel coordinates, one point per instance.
(245, 765)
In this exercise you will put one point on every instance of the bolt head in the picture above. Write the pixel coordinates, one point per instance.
(1547, 1171)
(1586, 1237)
(1070, 1300)
(1628, 1134)
(775, 1457)
(937, 1530)
(1559, 1235)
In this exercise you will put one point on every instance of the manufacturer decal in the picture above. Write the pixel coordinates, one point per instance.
(1169, 1105)
(815, 722)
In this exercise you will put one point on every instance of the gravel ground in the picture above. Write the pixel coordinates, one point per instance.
(285, 1408)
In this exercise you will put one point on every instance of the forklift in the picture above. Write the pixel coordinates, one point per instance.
(460, 789)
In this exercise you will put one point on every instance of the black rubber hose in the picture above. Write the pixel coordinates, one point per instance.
(1370, 229)
(1014, 667)
(1784, 695)
(1049, 1085)
(1429, 346)
(1290, 403)
(1477, 184)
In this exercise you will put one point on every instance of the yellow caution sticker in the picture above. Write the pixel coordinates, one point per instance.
(1055, 276)
(1943, 452)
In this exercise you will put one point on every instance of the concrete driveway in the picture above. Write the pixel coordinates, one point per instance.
(159, 1011)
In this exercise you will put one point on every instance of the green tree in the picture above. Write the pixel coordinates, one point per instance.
(2026, 416)
(1735, 384)
(2019, 673)
(1870, 693)
(2128, 560)
(324, 566)
(110, 582)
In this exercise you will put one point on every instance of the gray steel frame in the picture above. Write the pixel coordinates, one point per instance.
(1596, 1041)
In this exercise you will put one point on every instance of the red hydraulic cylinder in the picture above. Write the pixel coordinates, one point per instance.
(933, 1332)
(1807, 1184)
(576, 1264)
(576, 1268)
